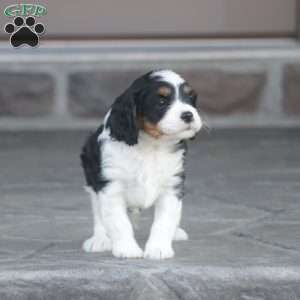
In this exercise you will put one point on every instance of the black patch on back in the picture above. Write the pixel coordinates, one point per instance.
(91, 162)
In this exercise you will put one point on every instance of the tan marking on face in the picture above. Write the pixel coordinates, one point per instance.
(164, 91)
(187, 89)
(149, 128)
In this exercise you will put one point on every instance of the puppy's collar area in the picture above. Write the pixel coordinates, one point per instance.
(162, 143)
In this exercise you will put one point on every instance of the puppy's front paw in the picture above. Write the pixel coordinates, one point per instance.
(127, 250)
(97, 244)
(158, 251)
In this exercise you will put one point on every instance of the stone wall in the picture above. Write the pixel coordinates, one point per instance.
(233, 90)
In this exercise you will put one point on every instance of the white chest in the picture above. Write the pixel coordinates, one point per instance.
(144, 173)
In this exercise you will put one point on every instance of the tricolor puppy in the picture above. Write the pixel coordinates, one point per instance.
(135, 160)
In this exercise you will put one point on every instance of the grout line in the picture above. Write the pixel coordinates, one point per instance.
(268, 243)
(61, 90)
(242, 225)
(38, 251)
(272, 97)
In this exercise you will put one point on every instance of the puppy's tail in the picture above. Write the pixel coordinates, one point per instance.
(134, 215)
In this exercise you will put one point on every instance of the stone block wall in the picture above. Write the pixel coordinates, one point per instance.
(220, 92)
(231, 91)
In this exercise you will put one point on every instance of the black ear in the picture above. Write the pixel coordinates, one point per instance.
(122, 120)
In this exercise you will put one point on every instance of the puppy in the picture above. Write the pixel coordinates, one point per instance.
(135, 159)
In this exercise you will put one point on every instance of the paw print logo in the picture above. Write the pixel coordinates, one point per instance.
(24, 32)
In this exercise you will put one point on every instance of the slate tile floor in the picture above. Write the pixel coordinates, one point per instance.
(242, 212)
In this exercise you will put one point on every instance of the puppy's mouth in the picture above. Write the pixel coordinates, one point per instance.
(188, 131)
(191, 127)
(157, 132)
(195, 127)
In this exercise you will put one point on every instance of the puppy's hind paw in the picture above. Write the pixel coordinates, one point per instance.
(97, 244)
(180, 235)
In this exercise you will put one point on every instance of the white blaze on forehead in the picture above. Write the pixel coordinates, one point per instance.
(169, 76)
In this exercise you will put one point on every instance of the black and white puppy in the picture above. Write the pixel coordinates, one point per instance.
(136, 160)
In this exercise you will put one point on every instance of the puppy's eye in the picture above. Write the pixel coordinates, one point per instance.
(162, 101)
(191, 96)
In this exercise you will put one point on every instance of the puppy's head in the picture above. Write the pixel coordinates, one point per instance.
(161, 103)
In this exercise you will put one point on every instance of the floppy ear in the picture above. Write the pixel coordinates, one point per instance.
(122, 120)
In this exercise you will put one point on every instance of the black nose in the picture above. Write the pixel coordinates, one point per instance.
(187, 117)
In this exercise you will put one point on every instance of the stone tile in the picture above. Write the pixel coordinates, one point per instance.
(37, 202)
(9, 221)
(15, 249)
(224, 92)
(53, 230)
(281, 235)
(201, 208)
(266, 197)
(232, 181)
(291, 89)
(291, 216)
(232, 251)
(213, 251)
(92, 93)
(26, 94)
(255, 170)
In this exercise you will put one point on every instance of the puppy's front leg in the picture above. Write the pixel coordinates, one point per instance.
(119, 228)
(166, 219)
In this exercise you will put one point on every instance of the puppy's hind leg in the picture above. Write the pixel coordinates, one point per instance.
(100, 241)
(180, 233)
